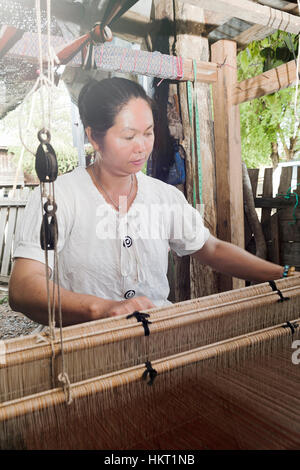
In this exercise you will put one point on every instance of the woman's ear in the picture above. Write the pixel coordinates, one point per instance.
(95, 144)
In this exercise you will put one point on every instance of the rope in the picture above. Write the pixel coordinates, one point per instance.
(198, 146)
(39, 31)
(195, 133)
(63, 377)
(42, 80)
(48, 82)
(190, 106)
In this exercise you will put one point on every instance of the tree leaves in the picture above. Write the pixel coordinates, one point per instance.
(271, 118)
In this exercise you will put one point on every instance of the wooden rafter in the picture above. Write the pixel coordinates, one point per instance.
(258, 32)
(268, 82)
(253, 13)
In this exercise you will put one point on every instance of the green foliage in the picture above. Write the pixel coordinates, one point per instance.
(271, 118)
(61, 132)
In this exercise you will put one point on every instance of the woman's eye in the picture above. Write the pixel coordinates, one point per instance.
(129, 138)
(150, 134)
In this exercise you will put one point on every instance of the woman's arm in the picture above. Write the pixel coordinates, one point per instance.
(28, 295)
(230, 259)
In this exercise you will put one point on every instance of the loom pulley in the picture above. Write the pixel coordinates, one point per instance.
(47, 169)
(46, 161)
(49, 229)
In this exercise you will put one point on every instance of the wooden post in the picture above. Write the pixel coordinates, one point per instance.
(179, 268)
(230, 213)
(201, 279)
(193, 46)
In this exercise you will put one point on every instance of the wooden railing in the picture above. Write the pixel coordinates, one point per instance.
(280, 215)
(11, 212)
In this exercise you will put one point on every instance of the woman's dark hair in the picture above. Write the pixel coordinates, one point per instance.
(99, 102)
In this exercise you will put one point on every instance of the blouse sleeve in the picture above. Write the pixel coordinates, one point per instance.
(187, 231)
(27, 238)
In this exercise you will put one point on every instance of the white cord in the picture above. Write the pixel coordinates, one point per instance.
(42, 80)
(39, 32)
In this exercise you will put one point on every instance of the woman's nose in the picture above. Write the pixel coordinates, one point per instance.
(140, 144)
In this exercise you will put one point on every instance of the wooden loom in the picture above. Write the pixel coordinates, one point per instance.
(225, 379)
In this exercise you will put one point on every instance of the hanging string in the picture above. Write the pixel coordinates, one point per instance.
(43, 83)
(50, 331)
(50, 69)
(190, 107)
(198, 144)
(195, 134)
(39, 30)
(42, 80)
(63, 376)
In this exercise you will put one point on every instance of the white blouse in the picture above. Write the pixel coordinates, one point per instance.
(109, 255)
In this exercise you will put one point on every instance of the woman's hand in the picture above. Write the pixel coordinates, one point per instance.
(126, 307)
(28, 294)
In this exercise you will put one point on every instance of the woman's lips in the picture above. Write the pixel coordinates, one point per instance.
(138, 162)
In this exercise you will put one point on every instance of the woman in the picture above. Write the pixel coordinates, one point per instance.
(116, 224)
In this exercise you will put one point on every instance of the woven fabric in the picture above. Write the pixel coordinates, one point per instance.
(108, 57)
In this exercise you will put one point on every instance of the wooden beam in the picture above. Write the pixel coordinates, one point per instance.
(265, 83)
(206, 71)
(230, 210)
(273, 202)
(252, 12)
(132, 26)
(258, 32)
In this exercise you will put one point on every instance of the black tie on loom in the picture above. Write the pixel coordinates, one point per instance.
(275, 289)
(142, 317)
(149, 370)
(292, 326)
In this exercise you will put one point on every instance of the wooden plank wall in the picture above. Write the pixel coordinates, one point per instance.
(11, 213)
(280, 220)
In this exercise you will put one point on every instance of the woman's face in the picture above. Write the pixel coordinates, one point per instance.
(129, 142)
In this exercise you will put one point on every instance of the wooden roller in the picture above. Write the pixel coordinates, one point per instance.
(240, 393)
(100, 347)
